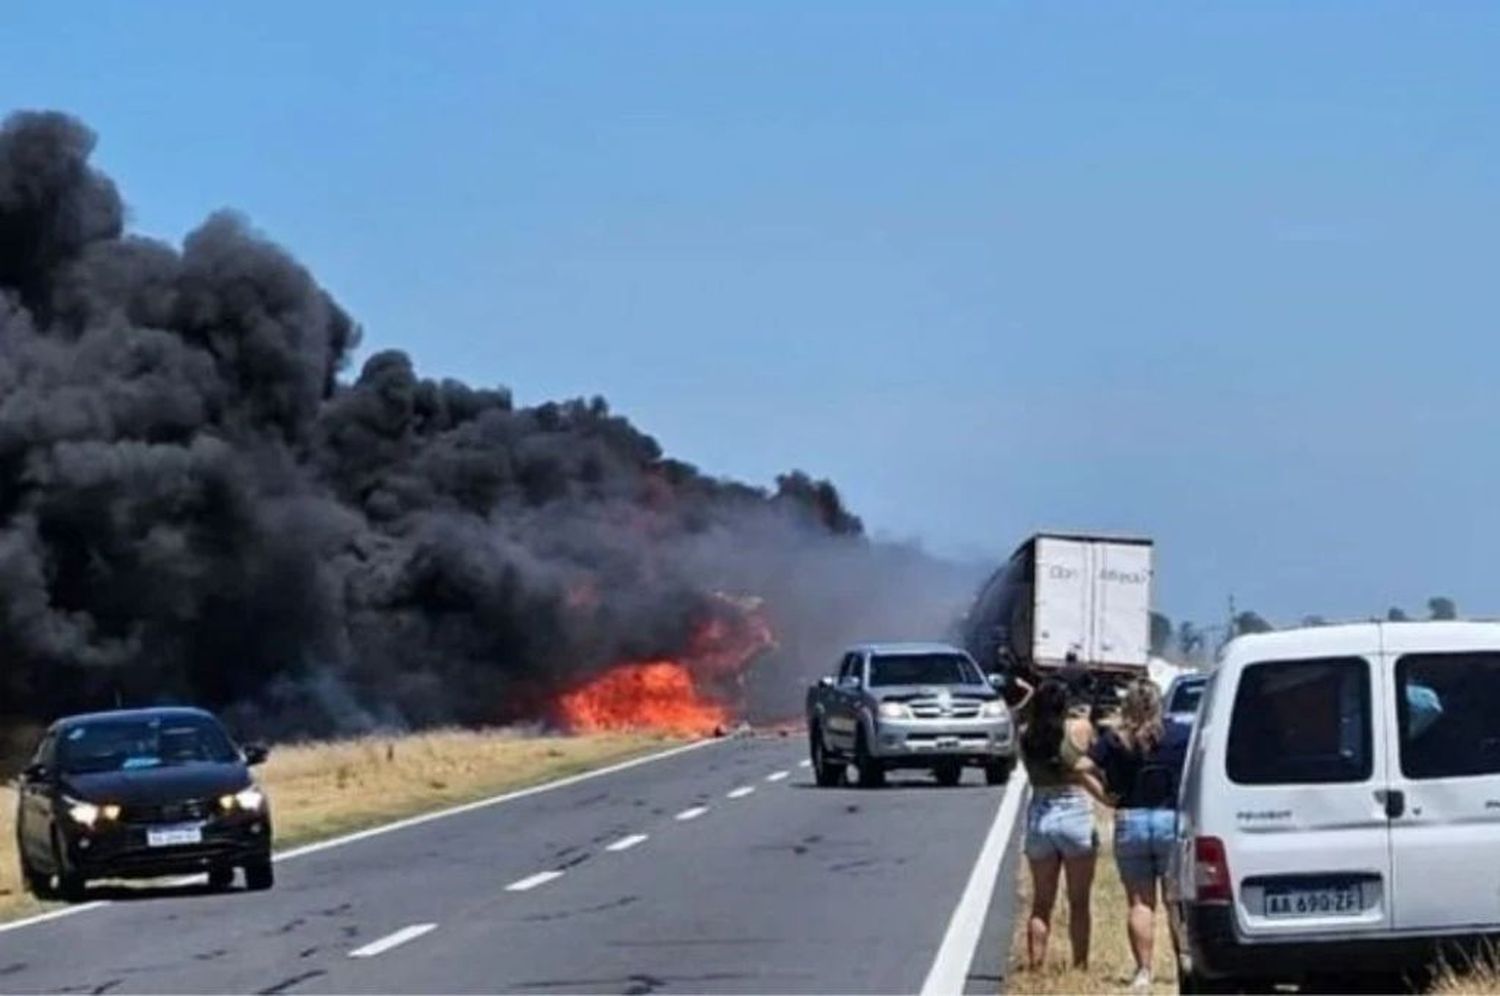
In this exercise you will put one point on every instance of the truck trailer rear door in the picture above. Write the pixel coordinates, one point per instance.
(1063, 602)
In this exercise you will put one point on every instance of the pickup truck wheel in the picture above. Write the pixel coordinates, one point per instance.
(829, 773)
(998, 772)
(948, 774)
(871, 771)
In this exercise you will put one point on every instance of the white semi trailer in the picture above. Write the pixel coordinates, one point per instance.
(1067, 600)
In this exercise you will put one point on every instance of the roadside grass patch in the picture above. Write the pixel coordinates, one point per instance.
(320, 790)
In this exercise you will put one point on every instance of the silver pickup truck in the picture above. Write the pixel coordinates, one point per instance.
(908, 705)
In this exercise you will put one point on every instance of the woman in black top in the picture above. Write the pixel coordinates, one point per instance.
(1142, 765)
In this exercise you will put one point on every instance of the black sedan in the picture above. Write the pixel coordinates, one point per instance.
(138, 794)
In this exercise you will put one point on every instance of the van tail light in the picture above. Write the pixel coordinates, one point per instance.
(1211, 871)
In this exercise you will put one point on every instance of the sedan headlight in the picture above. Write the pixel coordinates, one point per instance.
(993, 709)
(86, 814)
(250, 800)
(894, 710)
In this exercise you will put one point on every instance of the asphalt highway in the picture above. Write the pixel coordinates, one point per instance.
(716, 869)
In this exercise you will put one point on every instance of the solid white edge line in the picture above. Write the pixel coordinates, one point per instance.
(402, 824)
(740, 792)
(691, 814)
(626, 843)
(389, 941)
(777, 776)
(950, 969)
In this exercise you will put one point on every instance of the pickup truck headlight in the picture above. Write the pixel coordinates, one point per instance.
(894, 710)
(993, 710)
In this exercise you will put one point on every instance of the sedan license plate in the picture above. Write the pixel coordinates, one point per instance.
(173, 836)
(1333, 900)
(947, 743)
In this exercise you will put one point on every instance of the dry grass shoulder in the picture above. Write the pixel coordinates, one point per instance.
(1481, 976)
(1111, 966)
(320, 790)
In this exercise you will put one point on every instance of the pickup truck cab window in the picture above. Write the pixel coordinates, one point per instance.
(923, 669)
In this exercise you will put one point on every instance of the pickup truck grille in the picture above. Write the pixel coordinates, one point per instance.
(937, 709)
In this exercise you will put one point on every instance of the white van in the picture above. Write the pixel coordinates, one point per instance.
(1340, 807)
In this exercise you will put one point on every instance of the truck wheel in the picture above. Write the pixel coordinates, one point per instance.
(829, 773)
(871, 771)
(998, 772)
(949, 773)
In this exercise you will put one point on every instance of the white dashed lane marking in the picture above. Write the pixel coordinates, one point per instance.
(691, 814)
(804, 764)
(777, 776)
(626, 843)
(741, 792)
(389, 941)
(532, 881)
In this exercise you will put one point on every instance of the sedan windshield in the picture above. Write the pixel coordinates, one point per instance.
(923, 669)
(130, 744)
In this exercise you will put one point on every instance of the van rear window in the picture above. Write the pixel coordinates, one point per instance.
(1450, 727)
(1301, 723)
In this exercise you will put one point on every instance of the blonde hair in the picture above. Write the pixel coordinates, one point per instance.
(1140, 716)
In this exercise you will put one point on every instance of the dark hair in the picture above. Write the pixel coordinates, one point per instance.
(1042, 740)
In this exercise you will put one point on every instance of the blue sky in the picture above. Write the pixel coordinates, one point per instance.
(1221, 275)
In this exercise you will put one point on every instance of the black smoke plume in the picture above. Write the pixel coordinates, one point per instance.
(195, 507)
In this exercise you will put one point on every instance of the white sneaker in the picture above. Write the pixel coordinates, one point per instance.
(1142, 981)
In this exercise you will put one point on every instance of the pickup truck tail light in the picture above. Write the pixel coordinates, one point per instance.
(1211, 871)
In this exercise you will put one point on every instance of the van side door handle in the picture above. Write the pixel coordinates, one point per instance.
(1395, 802)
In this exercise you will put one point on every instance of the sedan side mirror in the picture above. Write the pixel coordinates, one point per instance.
(255, 754)
(825, 682)
(997, 680)
(34, 772)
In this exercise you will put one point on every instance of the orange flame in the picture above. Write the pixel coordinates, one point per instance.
(657, 695)
(690, 694)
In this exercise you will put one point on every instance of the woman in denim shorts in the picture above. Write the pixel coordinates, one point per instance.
(1060, 834)
(1142, 766)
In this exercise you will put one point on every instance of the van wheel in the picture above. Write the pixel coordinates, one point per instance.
(998, 772)
(949, 774)
(827, 772)
(1192, 982)
(871, 771)
(259, 875)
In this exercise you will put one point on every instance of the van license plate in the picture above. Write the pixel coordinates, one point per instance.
(190, 833)
(947, 743)
(1326, 901)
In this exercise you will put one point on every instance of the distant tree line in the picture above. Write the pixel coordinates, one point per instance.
(1190, 642)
